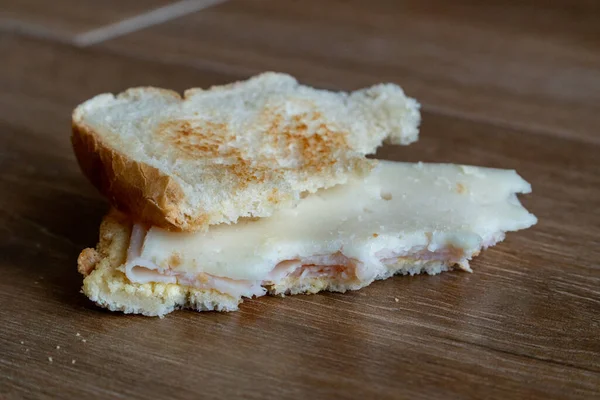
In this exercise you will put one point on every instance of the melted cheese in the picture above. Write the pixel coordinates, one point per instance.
(444, 211)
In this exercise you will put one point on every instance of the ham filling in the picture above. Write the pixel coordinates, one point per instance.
(335, 267)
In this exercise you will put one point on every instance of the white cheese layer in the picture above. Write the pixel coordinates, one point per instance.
(400, 210)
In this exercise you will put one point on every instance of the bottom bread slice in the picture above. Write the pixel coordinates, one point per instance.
(400, 219)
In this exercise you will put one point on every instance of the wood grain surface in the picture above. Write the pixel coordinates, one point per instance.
(505, 84)
(66, 18)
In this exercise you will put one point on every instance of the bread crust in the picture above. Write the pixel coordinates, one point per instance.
(135, 188)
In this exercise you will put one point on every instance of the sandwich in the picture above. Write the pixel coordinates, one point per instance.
(263, 187)
(400, 219)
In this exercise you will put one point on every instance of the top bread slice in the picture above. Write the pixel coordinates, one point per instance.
(238, 150)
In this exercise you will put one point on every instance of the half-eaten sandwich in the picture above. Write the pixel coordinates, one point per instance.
(271, 204)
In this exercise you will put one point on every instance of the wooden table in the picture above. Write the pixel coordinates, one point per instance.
(503, 84)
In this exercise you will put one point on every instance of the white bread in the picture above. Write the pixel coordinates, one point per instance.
(239, 150)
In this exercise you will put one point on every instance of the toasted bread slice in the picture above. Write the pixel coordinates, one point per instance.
(239, 150)
(400, 219)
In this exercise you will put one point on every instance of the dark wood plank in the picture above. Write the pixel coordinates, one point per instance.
(65, 18)
(532, 65)
(524, 325)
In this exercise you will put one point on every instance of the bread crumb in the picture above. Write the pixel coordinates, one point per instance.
(83, 340)
(26, 350)
(77, 334)
(22, 342)
(57, 347)
(50, 359)
(72, 361)
(397, 300)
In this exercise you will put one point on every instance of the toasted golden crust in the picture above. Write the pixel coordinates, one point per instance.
(115, 231)
(233, 151)
(135, 188)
